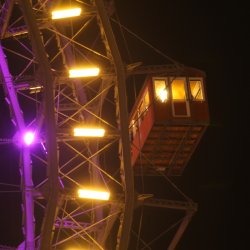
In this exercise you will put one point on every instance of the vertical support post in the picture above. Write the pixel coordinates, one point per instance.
(29, 204)
(180, 230)
(5, 16)
(126, 168)
(46, 79)
(26, 164)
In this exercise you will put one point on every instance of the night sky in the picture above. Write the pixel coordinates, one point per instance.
(211, 36)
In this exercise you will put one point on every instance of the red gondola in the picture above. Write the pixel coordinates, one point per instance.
(168, 120)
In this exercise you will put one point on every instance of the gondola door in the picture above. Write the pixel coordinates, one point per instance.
(180, 102)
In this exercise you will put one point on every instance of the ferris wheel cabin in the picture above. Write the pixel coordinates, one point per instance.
(167, 121)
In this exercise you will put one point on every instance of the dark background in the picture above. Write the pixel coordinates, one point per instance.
(211, 36)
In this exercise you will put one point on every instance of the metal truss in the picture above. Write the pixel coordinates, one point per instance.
(61, 163)
(35, 55)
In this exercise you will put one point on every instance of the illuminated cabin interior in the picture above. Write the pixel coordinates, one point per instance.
(167, 122)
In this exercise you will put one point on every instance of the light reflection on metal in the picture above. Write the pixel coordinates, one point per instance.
(76, 248)
(66, 13)
(36, 89)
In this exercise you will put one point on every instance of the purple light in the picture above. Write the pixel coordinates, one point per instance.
(29, 138)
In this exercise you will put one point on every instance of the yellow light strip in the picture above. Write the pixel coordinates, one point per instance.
(89, 132)
(92, 194)
(66, 13)
(84, 72)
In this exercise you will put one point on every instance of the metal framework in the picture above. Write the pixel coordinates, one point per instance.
(35, 55)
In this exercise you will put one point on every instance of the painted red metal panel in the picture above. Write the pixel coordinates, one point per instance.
(199, 111)
(142, 133)
(161, 114)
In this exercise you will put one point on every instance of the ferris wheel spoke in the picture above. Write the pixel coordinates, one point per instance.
(81, 45)
(69, 41)
(93, 163)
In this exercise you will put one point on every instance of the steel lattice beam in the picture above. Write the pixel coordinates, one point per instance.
(47, 80)
(70, 106)
(26, 161)
(171, 204)
(5, 16)
(126, 168)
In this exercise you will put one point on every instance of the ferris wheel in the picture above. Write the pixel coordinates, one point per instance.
(65, 85)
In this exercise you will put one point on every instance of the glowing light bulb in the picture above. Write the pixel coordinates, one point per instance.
(66, 13)
(89, 132)
(93, 194)
(83, 72)
(29, 138)
(163, 95)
